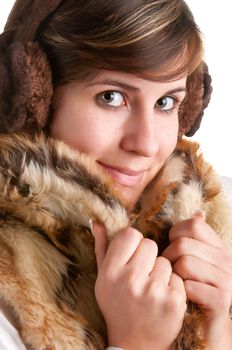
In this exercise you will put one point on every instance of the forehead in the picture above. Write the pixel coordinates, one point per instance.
(133, 82)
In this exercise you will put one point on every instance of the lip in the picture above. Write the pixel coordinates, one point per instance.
(125, 177)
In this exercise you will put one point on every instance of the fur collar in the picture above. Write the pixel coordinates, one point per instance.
(48, 193)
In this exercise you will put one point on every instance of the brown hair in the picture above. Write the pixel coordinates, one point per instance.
(156, 39)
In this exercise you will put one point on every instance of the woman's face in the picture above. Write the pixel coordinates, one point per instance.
(128, 124)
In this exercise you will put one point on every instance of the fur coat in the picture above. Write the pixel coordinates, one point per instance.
(48, 193)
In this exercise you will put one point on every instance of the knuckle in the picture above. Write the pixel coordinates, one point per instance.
(164, 264)
(176, 300)
(107, 277)
(183, 266)
(110, 275)
(155, 293)
(151, 245)
(181, 245)
(195, 223)
(164, 261)
(133, 285)
(132, 233)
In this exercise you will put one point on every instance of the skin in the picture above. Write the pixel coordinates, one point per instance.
(131, 132)
(204, 262)
(130, 126)
(205, 269)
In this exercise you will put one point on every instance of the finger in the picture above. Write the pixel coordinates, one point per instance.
(191, 268)
(122, 247)
(196, 228)
(211, 300)
(187, 246)
(176, 282)
(144, 257)
(161, 271)
(101, 242)
(200, 213)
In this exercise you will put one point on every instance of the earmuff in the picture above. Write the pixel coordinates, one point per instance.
(199, 90)
(25, 76)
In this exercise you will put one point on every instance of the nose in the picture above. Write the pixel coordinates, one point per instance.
(141, 133)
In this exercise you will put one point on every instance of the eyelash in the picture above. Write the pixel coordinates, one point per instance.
(176, 102)
(102, 103)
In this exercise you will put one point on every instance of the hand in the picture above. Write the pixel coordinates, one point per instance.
(204, 262)
(142, 300)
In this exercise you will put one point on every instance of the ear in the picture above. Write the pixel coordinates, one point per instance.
(199, 90)
(25, 86)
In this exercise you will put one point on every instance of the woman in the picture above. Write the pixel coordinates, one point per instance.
(123, 73)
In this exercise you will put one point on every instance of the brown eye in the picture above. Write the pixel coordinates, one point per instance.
(165, 103)
(112, 98)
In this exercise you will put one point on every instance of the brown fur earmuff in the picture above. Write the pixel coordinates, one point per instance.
(25, 76)
(199, 90)
(26, 88)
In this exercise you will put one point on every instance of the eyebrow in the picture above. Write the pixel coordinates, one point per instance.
(133, 88)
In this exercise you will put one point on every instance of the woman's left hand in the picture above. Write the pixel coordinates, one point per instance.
(204, 262)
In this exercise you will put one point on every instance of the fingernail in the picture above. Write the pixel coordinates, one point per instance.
(95, 227)
(201, 213)
(91, 226)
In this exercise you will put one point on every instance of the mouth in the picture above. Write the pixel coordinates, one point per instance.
(125, 177)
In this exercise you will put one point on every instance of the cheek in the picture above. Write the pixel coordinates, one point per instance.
(168, 140)
(83, 130)
(92, 138)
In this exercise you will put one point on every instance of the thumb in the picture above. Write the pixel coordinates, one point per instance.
(101, 241)
(199, 213)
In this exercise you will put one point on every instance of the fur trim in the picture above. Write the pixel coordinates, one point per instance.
(186, 184)
(48, 192)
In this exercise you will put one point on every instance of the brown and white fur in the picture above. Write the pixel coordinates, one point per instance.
(48, 193)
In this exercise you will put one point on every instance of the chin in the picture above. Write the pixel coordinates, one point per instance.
(130, 194)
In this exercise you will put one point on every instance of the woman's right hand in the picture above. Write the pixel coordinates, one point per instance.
(142, 300)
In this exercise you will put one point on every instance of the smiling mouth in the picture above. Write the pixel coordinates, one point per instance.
(124, 177)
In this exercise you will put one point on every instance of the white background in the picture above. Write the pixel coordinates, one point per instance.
(215, 135)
